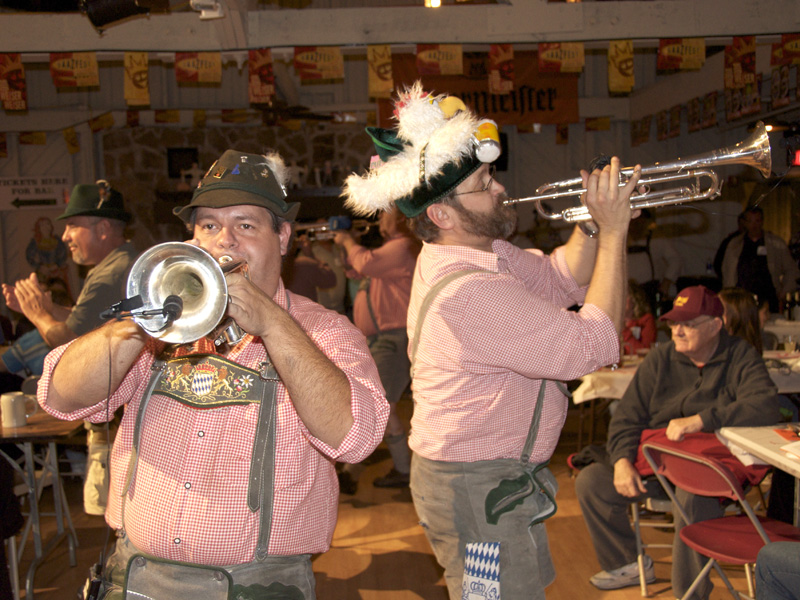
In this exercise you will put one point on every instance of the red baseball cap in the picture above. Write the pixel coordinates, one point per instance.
(693, 302)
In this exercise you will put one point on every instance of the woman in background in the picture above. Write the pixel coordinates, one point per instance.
(640, 325)
(741, 316)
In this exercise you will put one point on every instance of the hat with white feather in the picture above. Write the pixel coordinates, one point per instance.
(433, 149)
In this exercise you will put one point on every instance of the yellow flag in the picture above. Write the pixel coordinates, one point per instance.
(198, 67)
(74, 69)
(32, 138)
(137, 80)
(71, 138)
(379, 61)
(620, 66)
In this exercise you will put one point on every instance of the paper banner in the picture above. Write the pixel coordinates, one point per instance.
(694, 115)
(3, 146)
(33, 138)
(379, 71)
(315, 63)
(167, 116)
(562, 134)
(597, 124)
(74, 69)
(681, 53)
(561, 57)
(791, 47)
(675, 121)
(236, 115)
(71, 138)
(440, 59)
(740, 62)
(261, 78)
(501, 69)
(709, 118)
(104, 121)
(620, 66)
(132, 118)
(199, 118)
(640, 130)
(137, 79)
(13, 90)
(198, 67)
(779, 86)
(537, 97)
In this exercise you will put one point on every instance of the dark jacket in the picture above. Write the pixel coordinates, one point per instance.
(733, 389)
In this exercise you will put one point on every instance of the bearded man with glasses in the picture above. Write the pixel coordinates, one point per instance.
(487, 327)
(700, 381)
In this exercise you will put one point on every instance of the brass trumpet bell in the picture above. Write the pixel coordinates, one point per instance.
(186, 271)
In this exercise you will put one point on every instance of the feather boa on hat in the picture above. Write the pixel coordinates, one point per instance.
(425, 128)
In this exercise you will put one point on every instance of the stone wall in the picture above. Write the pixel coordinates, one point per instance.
(135, 162)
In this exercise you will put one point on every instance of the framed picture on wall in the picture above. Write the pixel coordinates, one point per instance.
(180, 159)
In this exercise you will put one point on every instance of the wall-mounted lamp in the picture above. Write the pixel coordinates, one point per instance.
(208, 9)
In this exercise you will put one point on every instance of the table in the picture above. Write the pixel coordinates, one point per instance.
(42, 429)
(609, 383)
(780, 328)
(765, 444)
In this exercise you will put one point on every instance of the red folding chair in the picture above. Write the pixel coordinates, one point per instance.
(734, 539)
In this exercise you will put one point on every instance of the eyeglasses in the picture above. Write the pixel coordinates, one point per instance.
(485, 187)
(693, 324)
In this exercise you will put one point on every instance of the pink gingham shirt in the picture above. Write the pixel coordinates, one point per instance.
(188, 500)
(391, 268)
(487, 342)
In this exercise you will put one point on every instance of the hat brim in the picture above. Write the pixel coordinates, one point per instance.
(453, 174)
(116, 215)
(223, 197)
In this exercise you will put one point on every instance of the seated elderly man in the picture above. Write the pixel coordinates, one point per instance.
(702, 380)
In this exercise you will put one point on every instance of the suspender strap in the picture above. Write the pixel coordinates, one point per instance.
(157, 369)
(426, 303)
(261, 486)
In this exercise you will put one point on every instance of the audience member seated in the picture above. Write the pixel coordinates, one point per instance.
(640, 325)
(778, 572)
(701, 380)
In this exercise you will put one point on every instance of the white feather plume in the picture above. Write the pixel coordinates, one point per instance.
(426, 129)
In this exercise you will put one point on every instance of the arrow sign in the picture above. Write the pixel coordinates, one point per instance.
(19, 202)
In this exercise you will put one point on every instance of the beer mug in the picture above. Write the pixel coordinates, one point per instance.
(16, 407)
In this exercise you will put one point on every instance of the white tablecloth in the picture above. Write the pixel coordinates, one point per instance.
(612, 383)
(781, 328)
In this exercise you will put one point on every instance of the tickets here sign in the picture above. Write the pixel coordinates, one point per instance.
(34, 191)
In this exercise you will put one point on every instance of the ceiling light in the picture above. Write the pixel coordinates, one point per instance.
(433, 3)
(208, 9)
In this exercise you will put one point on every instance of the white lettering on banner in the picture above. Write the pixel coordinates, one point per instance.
(33, 192)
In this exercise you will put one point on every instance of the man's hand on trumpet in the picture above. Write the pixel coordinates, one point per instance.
(607, 201)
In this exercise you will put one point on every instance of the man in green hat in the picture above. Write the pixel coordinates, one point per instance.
(488, 326)
(95, 220)
(224, 460)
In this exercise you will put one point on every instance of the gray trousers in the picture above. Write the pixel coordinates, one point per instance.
(606, 514)
(449, 499)
(284, 577)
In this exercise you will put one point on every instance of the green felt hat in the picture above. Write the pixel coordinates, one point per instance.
(96, 200)
(241, 178)
(432, 150)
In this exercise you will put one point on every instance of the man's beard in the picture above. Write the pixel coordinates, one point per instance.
(498, 224)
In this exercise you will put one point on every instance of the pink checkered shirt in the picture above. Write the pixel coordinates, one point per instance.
(487, 342)
(188, 501)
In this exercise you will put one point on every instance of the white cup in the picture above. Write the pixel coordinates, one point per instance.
(16, 408)
(790, 343)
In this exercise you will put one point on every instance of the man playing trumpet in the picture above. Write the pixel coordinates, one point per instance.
(216, 494)
(487, 327)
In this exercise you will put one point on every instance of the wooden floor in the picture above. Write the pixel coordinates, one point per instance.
(379, 552)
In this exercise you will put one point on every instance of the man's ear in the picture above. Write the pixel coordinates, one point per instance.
(285, 236)
(441, 216)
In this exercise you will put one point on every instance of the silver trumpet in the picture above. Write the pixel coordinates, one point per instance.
(326, 231)
(701, 183)
(198, 279)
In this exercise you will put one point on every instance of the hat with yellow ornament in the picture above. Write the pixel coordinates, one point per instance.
(437, 144)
